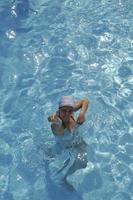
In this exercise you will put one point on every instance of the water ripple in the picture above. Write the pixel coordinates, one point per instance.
(49, 49)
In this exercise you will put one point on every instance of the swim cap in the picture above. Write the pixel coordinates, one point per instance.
(66, 101)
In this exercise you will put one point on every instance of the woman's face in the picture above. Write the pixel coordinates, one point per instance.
(65, 113)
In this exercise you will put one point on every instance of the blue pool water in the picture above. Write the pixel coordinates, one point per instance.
(69, 47)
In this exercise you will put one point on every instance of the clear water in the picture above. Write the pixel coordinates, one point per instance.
(54, 48)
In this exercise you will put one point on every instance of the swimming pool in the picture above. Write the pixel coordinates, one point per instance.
(54, 48)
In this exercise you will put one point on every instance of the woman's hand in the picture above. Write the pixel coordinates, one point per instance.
(54, 119)
(81, 118)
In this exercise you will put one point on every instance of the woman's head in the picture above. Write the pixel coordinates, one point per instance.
(66, 101)
(66, 107)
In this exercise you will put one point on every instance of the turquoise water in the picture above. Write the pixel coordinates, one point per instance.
(54, 48)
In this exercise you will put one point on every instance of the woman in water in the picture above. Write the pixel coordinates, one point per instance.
(64, 127)
(63, 120)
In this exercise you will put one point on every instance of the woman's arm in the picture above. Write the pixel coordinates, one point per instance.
(57, 129)
(56, 124)
(83, 106)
